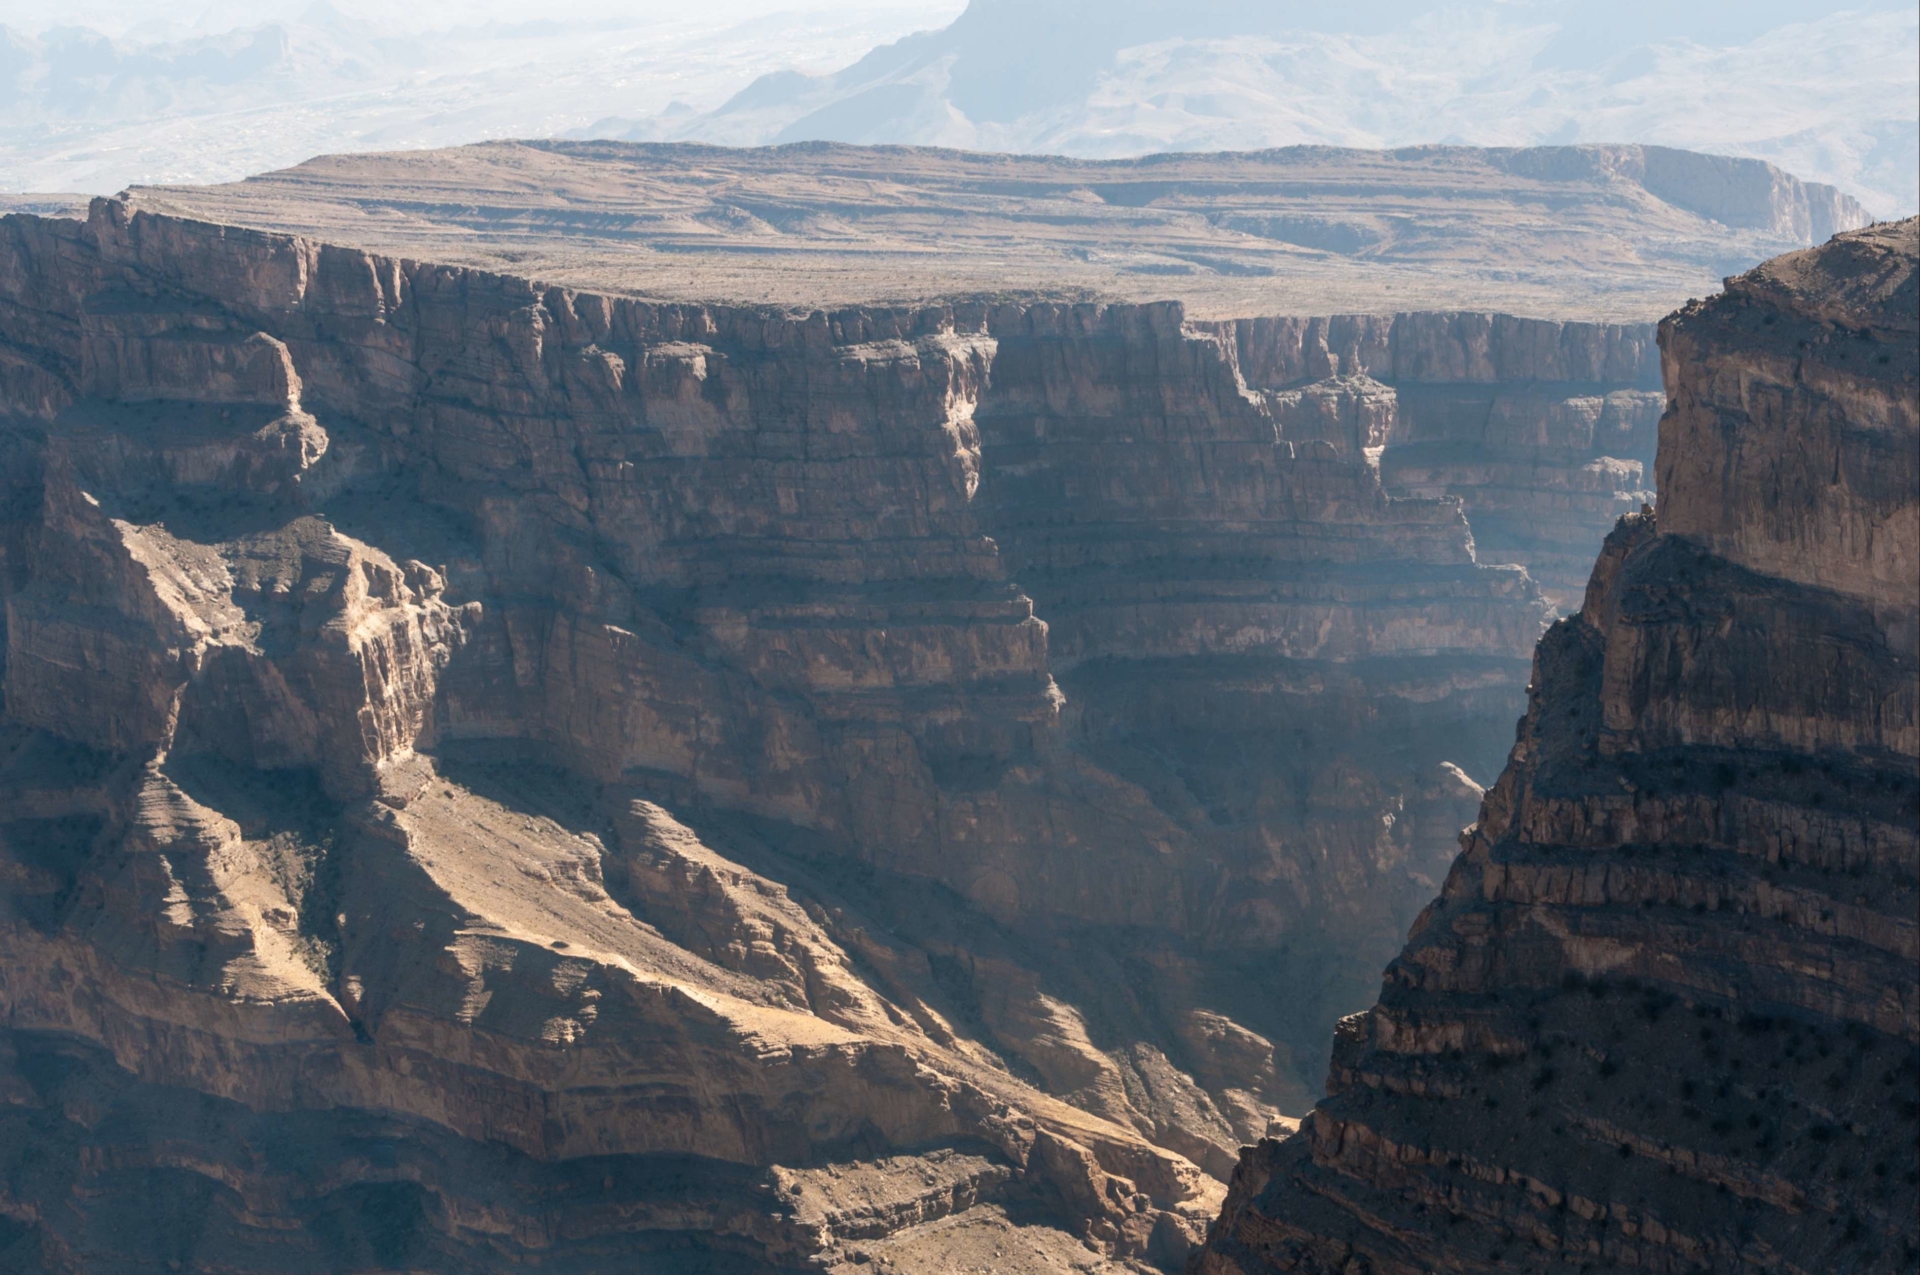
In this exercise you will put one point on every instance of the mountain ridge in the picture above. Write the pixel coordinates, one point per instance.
(1086, 80)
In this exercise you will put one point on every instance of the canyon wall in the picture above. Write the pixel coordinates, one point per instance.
(1543, 430)
(530, 744)
(1665, 1015)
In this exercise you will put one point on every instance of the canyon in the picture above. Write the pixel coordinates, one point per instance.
(499, 770)
(1664, 1016)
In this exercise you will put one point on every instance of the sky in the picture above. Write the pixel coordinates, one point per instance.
(107, 93)
(96, 95)
(161, 17)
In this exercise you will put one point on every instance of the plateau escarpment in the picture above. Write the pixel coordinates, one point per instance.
(1619, 233)
(1666, 1013)
(498, 772)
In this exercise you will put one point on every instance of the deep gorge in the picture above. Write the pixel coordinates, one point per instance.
(538, 746)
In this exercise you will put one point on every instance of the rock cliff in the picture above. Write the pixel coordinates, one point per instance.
(1665, 1014)
(1543, 430)
(621, 777)
(496, 772)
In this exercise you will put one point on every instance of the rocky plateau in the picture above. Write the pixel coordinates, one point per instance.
(1585, 233)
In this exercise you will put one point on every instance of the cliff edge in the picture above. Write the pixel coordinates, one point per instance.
(1664, 1014)
(495, 772)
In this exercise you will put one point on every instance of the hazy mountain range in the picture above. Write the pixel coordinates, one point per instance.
(96, 99)
(1830, 95)
(1828, 91)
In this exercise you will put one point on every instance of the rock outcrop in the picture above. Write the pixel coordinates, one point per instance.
(1543, 430)
(500, 773)
(1666, 1013)
(777, 789)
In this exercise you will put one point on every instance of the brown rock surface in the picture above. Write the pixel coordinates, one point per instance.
(501, 739)
(1543, 430)
(1666, 1014)
(501, 771)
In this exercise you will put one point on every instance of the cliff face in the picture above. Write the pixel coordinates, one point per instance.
(1544, 431)
(1664, 1014)
(628, 778)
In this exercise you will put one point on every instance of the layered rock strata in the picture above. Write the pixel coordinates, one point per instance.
(1543, 430)
(1666, 1014)
(524, 746)
(995, 691)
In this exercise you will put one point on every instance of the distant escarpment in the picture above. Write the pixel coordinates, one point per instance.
(1584, 233)
(1543, 431)
(1665, 1015)
(497, 773)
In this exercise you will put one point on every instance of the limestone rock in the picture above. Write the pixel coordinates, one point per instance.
(624, 778)
(1664, 1014)
(1544, 431)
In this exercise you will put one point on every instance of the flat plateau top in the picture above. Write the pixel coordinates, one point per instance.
(1566, 232)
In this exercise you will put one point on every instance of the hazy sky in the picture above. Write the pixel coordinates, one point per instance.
(1606, 21)
(96, 95)
(135, 17)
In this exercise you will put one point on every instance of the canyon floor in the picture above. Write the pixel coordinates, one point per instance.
(829, 708)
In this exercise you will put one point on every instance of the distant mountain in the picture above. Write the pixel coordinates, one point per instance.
(1584, 232)
(1831, 94)
(198, 92)
(171, 91)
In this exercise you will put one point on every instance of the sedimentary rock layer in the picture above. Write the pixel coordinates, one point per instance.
(504, 713)
(1543, 430)
(474, 731)
(1666, 1013)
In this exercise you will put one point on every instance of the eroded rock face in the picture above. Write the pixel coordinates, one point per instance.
(1544, 431)
(493, 733)
(1666, 1013)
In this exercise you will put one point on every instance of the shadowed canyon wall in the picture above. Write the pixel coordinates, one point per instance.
(1665, 1015)
(529, 745)
(1543, 430)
